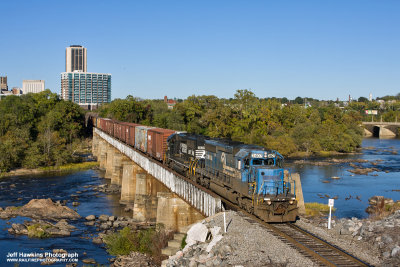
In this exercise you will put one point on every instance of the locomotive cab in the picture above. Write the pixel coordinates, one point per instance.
(272, 194)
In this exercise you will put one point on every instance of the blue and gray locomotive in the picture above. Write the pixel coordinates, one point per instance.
(247, 175)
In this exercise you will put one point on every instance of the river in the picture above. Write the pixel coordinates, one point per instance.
(17, 191)
(352, 190)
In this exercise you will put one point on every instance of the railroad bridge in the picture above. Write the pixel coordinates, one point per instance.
(128, 168)
(184, 204)
(381, 129)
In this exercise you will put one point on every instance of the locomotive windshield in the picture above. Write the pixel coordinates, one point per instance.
(263, 162)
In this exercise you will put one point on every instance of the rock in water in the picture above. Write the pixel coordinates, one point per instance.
(89, 261)
(103, 218)
(46, 208)
(90, 218)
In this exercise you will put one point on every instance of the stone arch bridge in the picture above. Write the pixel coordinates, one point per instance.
(381, 129)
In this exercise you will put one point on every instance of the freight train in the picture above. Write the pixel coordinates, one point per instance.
(249, 176)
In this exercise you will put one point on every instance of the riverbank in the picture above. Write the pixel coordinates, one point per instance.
(51, 170)
(321, 154)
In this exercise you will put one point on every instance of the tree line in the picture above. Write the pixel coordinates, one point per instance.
(39, 130)
(288, 128)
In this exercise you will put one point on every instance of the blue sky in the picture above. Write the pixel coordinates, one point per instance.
(321, 49)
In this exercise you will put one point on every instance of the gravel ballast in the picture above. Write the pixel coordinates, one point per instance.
(245, 243)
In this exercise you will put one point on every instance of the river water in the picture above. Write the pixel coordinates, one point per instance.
(17, 191)
(57, 188)
(352, 190)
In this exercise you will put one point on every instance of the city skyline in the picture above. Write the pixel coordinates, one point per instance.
(308, 49)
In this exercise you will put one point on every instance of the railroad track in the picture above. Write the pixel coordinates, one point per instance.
(314, 247)
(309, 245)
(306, 243)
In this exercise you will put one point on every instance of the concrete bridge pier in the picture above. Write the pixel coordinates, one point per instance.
(145, 204)
(118, 161)
(109, 161)
(296, 186)
(96, 146)
(386, 133)
(368, 133)
(102, 154)
(174, 212)
(128, 183)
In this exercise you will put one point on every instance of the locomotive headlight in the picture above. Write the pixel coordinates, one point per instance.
(268, 201)
(291, 202)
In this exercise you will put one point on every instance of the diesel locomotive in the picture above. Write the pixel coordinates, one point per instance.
(247, 175)
(250, 176)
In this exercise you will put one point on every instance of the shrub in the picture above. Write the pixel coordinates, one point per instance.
(120, 243)
(317, 209)
(37, 230)
(149, 241)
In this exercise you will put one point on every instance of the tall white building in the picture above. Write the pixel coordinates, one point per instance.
(75, 58)
(32, 86)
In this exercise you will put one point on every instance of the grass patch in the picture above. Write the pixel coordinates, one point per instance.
(315, 209)
(38, 230)
(183, 243)
(72, 166)
(149, 241)
(385, 210)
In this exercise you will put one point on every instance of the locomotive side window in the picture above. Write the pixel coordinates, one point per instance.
(246, 163)
(279, 163)
(270, 162)
(258, 161)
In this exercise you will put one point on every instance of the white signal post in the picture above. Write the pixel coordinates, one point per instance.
(330, 204)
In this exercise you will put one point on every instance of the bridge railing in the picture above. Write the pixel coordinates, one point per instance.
(380, 123)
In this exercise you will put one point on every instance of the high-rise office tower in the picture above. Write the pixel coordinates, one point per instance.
(75, 58)
(3, 84)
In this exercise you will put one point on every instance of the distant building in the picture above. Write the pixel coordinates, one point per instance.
(32, 86)
(3, 84)
(170, 102)
(16, 91)
(86, 89)
(75, 58)
(370, 97)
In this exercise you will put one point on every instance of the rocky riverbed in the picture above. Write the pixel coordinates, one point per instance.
(244, 244)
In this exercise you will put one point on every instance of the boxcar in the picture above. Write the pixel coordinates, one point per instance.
(130, 133)
(141, 137)
(157, 142)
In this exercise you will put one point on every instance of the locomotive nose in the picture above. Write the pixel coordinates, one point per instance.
(270, 180)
